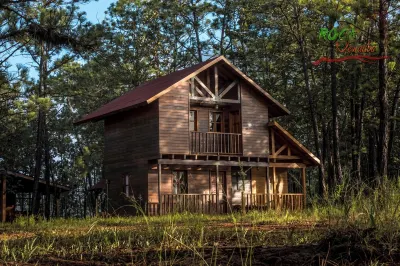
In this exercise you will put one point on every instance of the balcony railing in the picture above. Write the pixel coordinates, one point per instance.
(215, 143)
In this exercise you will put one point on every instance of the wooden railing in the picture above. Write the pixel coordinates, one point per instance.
(195, 203)
(215, 143)
(207, 203)
(291, 201)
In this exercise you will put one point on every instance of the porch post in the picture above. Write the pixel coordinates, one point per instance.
(217, 189)
(304, 185)
(267, 186)
(3, 193)
(274, 196)
(159, 188)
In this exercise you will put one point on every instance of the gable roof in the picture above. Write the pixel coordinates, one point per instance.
(290, 139)
(154, 89)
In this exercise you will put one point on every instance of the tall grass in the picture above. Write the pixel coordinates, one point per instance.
(203, 237)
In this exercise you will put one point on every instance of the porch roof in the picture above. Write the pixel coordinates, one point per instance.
(307, 157)
(24, 183)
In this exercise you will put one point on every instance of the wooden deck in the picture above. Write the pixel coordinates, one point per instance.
(207, 203)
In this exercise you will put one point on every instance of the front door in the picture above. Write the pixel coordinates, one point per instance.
(222, 207)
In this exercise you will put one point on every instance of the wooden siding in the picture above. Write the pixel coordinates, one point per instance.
(198, 182)
(174, 120)
(130, 139)
(254, 123)
(258, 178)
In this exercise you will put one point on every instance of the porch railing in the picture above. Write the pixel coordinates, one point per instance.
(291, 201)
(207, 203)
(215, 143)
(195, 203)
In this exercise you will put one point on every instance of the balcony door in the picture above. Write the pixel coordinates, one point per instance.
(234, 122)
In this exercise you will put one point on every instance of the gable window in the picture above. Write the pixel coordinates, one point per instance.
(216, 119)
(179, 182)
(193, 120)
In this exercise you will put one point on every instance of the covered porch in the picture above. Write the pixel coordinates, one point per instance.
(16, 192)
(222, 184)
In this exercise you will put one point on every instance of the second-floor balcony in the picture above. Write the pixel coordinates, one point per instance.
(215, 143)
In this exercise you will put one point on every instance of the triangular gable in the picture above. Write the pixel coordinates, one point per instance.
(152, 90)
(297, 149)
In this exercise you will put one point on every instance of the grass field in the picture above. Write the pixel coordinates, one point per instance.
(361, 229)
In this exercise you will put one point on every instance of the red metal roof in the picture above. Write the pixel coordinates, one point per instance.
(148, 92)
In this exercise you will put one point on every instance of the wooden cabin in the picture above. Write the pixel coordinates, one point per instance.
(200, 139)
(16, 192)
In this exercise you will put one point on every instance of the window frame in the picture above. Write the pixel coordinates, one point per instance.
(212, 124)
(178, 191)
(195, 121)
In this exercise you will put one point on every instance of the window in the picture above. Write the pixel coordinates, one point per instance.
(179, 182)
(238, 180)
(125, 181)
(216, 119)
(193, 120)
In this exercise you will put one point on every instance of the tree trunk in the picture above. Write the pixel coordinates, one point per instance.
(47, 171)
(335, 125)
(393, 121)
(196, 25)
(39, 134)
(313, 116)
(383, 98)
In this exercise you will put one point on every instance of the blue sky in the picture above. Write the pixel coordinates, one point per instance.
(94, 13)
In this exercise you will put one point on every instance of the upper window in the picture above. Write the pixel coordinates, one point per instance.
(193, 120)
(179, 182)
(216, 119)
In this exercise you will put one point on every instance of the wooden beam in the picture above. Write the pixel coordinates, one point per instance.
(217, 177)
(204, 87)
(304, 185)
(289, 152)
(211, 163)
(285, 157)
(3, 199)
(216, 79)
(267, 186)
(208, 78)
(192, 86)
(280, 149)
(225, 91)
(199, 91)
(287, 165)
(273, 141)
(213, 100)
(159, 188)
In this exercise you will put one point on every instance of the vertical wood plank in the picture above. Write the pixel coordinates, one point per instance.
(217, 189)
(192, 86)
(216, 82)
(159, 188)
(304, 185)
(267, 185)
